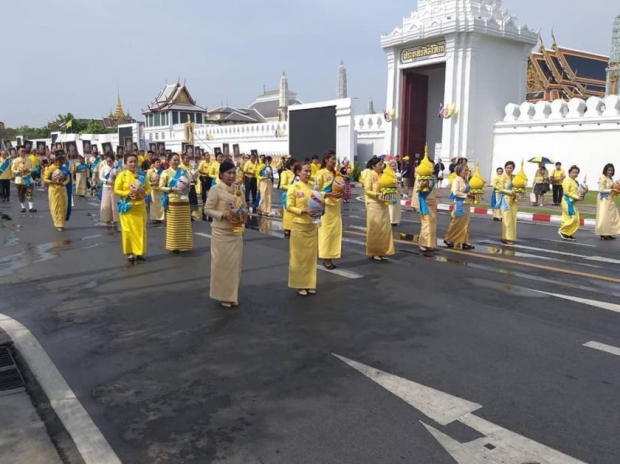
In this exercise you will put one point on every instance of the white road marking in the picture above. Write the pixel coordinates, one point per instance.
(601, 259)
(351, 240)
(351, 226)
(202, 234)
(88, 439)
(602, 347)
(341, 272)
(597, 304)
(93, 204)
(572, 243)
(88, 237)
(499, 445)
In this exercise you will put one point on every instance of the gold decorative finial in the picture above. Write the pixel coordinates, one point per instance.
(119, 113)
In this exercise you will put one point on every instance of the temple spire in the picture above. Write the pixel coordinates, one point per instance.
(613, 70)
(342, 81)
(371, 106)
(119, 113)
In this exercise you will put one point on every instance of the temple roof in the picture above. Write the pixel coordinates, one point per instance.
(174, 97)
(565, 73)
(230, 115)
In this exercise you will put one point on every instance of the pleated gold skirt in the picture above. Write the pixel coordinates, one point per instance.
(458, 230)
(330, 233)
(303, 250)
(179, 235)
(379, 240)
(133, 230)
(226, 263)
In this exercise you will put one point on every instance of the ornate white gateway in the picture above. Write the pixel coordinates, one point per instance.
(452, 68)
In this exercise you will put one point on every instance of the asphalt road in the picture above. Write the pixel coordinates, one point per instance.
(168, 376)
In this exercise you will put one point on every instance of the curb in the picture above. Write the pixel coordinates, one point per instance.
(534, 217)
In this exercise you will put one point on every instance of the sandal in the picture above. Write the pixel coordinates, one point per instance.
(302, 292)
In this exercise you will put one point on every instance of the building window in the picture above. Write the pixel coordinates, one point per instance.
(175, 117)
(156, 135)
(150, 136)
(198, 118)
(157, 119)
(163, 135)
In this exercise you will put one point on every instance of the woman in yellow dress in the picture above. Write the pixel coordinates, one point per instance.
(458, 230)
(175, 184)
(157, 213)
(330, 230)
(495, 206)
(607, 217)
(132, 188)
(427, 201)
(214, 169)
(304, 243)
(81, 174)
(570, 212)
(264, 174)
(57, 177)
(379, 240)
(226, 237)
(507, 201)
(391, 171)
(289, 177)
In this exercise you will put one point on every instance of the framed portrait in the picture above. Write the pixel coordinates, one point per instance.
(128, 144)
(72, 152)
(161, 148)
(153, 147)
(41, 147)
(217, 151)
(106, 147)
(7, 144)
(28, 145)
(120, 151)
(19, 140)
(226, 149)
(86, 147)
(254, 152)
(135, 146)
(236, 151)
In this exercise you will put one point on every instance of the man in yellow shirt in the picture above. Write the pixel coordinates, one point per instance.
(249, 179)
(5, 176)
(22, 170)
(315, 165)
(557, 177)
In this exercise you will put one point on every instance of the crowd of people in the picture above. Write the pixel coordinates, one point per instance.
(166, 189)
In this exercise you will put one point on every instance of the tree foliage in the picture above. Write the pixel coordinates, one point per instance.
(78, 125)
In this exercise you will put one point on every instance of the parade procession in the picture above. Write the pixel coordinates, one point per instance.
(303, 278)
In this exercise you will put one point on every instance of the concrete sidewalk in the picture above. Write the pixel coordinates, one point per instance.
(23, 436)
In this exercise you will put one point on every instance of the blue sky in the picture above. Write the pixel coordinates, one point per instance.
(71, 55)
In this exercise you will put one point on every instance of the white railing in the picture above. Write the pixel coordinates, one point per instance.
(369, 123)
(562, 111)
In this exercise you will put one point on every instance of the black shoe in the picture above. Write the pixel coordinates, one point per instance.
(448, 244)
(329, 267)
(23, 210)
(33, 210)
(140, 258)
(467, 246)
(131, 259)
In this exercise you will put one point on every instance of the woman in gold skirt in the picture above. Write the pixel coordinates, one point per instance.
(81, 174)
(427, 201)
(175, 184)
(330, 230)
(507, 201)
(56, 177)
(304, 243)
(458, 230)
(132, 188)
(495, 206)
(607, 217)
(570, 213)
(226, 237)
(379, 240)
(265, 186)
(288, 178)
(157, 213)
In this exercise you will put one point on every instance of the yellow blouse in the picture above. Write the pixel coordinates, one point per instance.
(47, 177)
(153, 178)
(123, 183)
(204, 168)
(297, 197)
(570, 188)
(605, 184)
(286, 179)
(249, 169)
(371, 187)
(214, 170)
(324, 177)
(164, 180)
(458, 189)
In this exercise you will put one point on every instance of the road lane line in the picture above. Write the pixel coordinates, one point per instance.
(572, 243)
(602, 347)
(340, 272)
(93, 204)
(88, 439)
(88, 237)
(600, 259)
(597, 304)
(202, 234)
(513, 261)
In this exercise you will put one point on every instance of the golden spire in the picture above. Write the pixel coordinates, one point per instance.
(119, 113)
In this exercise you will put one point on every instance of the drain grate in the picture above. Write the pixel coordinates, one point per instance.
(11, 380)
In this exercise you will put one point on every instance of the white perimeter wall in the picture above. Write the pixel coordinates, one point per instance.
(574, 133)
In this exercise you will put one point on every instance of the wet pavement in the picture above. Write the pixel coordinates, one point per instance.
(169, 376)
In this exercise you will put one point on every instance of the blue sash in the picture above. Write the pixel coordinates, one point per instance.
(493, 200)
(94, 166)
(124, 204)
(570, 203)
(6, 164)
(37, 169)
(459, 203)
(604, 196)
(502, 203)
(67, 173)
(422, 196)
(173, 183)
(81, 167)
